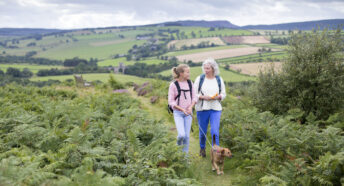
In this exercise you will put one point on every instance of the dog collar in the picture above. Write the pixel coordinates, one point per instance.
(217, 151)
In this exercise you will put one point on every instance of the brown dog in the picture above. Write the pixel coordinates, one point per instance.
(217, 155)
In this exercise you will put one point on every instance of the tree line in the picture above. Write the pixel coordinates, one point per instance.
(9, 59)
(145, 70)
(280, 40)
(17, 73)
(76, 65)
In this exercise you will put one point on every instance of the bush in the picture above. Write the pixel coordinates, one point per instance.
(276, 149)
(114, 84)
(30, 54)
(312, 79)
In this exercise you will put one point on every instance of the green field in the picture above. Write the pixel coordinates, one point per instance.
(93, 77)
(227, 76)
(105, 43)
(115, 62)
(204, 32)
(77, 44)
(177, 53)
(32, 68)
(281, 55)
(85, 50)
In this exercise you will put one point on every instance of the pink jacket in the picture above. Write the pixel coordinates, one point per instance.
(173, 92)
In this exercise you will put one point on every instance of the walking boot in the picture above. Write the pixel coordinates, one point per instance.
(202, 153)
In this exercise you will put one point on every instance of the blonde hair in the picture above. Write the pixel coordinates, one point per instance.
(179, 69)
(213, 64)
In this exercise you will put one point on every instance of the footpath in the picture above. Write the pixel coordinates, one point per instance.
(202, 166)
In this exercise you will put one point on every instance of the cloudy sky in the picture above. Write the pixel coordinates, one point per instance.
(67, 14)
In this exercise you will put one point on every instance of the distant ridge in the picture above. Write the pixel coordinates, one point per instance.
(306, 25)
(26, 31)
(202, 23)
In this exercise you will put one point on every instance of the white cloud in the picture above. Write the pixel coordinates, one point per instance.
(102, 13)
(33, 3)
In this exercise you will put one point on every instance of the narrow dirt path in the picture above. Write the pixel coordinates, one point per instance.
(202, 165)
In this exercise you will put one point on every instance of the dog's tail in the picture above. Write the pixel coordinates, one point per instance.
(214, 141)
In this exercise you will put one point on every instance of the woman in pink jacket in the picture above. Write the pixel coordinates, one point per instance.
(182, 97)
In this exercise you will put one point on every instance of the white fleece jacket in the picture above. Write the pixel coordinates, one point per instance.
(210, 88)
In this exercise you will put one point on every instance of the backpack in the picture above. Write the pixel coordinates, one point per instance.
(169, 108)
(201, 81)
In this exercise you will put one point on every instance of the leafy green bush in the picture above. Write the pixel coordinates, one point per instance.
(311, 79)
(278, 150)
(114, 84)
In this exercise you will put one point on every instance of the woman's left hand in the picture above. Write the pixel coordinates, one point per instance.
(189, 110)
(218, 97)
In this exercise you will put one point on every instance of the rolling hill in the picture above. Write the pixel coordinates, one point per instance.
(307, 25)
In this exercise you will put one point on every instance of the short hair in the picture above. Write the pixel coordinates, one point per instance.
(212, 63)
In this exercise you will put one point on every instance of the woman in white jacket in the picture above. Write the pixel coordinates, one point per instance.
(211, 91)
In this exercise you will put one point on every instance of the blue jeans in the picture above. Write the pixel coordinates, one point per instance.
(203, 118)
(183, 125)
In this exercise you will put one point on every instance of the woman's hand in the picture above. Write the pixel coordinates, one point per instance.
(206, 98)
(185, 112)
(189, 110)
(218, 97)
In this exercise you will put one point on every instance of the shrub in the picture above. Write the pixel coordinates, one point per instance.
(312, 79)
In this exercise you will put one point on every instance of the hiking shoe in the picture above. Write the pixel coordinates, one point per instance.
(202, 153)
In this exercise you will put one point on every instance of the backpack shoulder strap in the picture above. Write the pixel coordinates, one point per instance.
(218, 79)
(178, 89)
(201, 80)
(190, 87)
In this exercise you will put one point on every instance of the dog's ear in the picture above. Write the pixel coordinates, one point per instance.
(223, 151)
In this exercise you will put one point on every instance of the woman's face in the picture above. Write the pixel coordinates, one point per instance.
(186, 73)
(208, 69)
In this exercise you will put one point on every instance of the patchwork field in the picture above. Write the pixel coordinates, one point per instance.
(193, 51)
(254, 68)
(267, 56)
(200, 32)
(188, 42)
(101, 44)
(219, 54)
(86, 51)
(245, 39)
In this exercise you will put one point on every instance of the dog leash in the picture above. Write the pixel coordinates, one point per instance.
(193, 119)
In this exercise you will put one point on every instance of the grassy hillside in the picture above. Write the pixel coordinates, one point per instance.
(85, 50)
(103, 43)
(97, 44)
